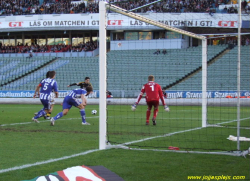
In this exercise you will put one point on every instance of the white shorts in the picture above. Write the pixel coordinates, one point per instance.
(52, 99)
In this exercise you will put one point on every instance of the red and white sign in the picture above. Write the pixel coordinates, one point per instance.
(230, 24)
(15, 24)
(115, 22)
(120, 21)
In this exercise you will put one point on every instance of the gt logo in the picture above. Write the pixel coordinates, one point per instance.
(227, 23)
(115, 22)
(15, 24)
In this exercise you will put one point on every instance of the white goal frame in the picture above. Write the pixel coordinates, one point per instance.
(103, 64)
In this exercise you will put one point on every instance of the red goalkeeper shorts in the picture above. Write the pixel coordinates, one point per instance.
(152, 103)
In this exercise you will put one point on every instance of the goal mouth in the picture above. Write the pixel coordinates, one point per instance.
(193, 73)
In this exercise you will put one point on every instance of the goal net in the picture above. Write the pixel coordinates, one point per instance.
(198, 74)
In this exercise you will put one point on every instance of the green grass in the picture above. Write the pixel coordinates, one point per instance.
(24, 142)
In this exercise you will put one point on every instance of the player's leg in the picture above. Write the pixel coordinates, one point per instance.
(37, 112)
(156, 106)
(83, 114)
(47, 116)
(42, 112)
(148, 112)
(67, 104)
(58, 116)
(61, 114)
(52, 103)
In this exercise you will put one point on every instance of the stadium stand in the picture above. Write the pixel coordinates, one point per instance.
(68, 70)
(126, 69)
(221, 74)
(15, 68)
(177, 63)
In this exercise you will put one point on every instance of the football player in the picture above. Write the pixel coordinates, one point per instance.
(84, 84)
(72, 100)
(47, 86)
(51, 99)
(153, 94)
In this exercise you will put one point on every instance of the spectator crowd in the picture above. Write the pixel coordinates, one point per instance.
(27, 7)
(81, 47)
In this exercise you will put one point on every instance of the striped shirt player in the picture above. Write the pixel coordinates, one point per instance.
(47, 86)
(72, 99)
(153, 95)
(51, 99)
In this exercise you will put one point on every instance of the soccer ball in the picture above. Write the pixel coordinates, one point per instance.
(94, 112)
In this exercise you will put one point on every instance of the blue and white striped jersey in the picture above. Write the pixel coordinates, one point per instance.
(76, 93)
(47, 86)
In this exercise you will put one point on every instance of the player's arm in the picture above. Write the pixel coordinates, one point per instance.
(37, 92)
(133, 107)
(55, 90)
(140, 95)
(72, 84)
(84, 100)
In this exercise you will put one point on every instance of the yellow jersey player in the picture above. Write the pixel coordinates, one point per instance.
(84, 84)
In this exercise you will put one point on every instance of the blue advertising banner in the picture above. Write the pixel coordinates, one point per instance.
(19, 94)
(198, 94)
(170, 94)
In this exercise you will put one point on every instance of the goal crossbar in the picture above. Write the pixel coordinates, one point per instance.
(149, 21)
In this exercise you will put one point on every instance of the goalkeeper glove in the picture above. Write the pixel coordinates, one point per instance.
(133, 107)
(166, 108)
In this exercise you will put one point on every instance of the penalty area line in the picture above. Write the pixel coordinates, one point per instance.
(48, 161)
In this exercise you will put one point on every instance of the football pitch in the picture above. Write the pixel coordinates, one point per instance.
(29, 149)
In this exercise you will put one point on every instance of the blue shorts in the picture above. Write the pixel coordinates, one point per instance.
(46, 104)
(68, 102)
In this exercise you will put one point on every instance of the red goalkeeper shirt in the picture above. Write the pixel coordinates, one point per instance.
(153, 92)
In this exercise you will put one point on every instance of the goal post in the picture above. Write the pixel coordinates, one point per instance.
(204, 82)
(102, 76)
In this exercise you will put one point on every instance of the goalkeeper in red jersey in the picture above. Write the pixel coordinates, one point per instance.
(153, 95)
